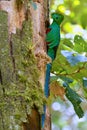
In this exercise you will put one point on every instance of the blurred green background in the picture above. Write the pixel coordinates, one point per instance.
(73, 66)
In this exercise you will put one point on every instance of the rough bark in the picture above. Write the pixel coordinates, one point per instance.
(38, 22)
(38, 16)
(15, 20)
(33, 121)
(15, 16)
(48, 119)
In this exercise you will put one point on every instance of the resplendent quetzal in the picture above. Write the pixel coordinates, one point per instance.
(52, 43)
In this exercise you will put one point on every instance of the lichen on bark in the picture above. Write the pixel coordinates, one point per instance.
(23, 90)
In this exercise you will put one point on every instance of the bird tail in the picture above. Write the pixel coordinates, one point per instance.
(46, 92)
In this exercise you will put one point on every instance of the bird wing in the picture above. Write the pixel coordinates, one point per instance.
(53, 36)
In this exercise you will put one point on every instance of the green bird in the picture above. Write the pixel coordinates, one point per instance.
(53, 35)
(52, 43)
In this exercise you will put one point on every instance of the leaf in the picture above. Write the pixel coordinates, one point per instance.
(78, 110)
(75, 99)
(57, 90)
(73, 57)
(79, 40)
(53, 78)
(67, 42)
(80, 44)
(85, 83)
(66, 79)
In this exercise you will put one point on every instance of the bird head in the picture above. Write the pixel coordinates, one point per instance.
(57, 17)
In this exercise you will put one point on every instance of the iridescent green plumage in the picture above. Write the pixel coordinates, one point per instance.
(53, 36)
(52, 42)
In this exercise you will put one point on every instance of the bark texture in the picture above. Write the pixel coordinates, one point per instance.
(15, 21)
(39, 16)
(38, 23)
(15, 16)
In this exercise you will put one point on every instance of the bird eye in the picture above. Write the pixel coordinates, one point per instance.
(56, 17)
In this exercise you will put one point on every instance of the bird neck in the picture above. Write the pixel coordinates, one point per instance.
(55, 23)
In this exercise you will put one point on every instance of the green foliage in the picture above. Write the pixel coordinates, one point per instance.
(71, 68)
(71, 59)
(62, 66)
(75, 100)
(72, 96)
(80, 44)
(85, 84)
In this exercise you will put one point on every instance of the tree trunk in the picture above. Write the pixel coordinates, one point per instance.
(38, 17)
